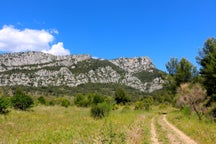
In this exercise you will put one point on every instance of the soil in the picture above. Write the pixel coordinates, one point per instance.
(174, 135)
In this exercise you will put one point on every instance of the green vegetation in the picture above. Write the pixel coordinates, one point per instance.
(121, 97)
(207, 60)
(3, 105)
(21, 101)
(180, 72)
(94, 64)
(100, 110)
(114, 113)
(55, 124)
(204, 132)
(146, 76)
(42, 100)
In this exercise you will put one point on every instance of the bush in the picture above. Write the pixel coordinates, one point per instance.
(3, 105)
(139, 105)
(100, 110)
(121, 97)
(21, 101)
(65, 103)
(81, 100)
(88, 99)
(42, 100)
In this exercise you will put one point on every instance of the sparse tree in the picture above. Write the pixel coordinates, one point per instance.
(192, 95)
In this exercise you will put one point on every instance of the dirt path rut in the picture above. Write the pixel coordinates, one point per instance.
(154, 138)
(174, 135)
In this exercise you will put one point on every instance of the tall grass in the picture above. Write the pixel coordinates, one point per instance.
(55, 124)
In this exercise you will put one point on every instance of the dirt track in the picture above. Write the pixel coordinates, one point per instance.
(174, 135)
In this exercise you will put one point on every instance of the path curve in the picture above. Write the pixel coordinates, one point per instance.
(183, 137)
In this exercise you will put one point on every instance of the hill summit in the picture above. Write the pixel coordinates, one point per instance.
(37, 69)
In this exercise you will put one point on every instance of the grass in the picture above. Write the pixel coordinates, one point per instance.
(74, 125)
(203, 132)
(55, 124)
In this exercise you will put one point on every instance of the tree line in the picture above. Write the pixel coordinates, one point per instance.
(195, 88)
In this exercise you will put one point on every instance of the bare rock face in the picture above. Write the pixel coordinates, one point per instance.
(40, 69)
(133, 65)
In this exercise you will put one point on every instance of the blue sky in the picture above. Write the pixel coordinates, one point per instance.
(109, 28)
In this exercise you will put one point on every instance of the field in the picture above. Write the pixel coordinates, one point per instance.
(56, 124)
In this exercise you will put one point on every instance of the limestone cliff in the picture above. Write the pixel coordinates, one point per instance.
(40, 69)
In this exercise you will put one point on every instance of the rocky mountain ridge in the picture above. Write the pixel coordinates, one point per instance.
(40, 69)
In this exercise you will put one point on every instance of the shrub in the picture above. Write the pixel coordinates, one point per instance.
(42, 100)
(97, 99)
(21, 101)
(81, 100)
(65, 103)
(192, 95)
(88, 99)
(121, 97)
(3, 105)
(139, 105)
(100, 110)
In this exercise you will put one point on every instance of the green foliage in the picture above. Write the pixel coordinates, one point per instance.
(89, 99)
(171, 66)
(180, 72)
(144, 104)
(121, 97)
(42, 100)
(82, 100)
(163, 96)
(3, 105)
(207, 60)
(21, 101)
(93, 64)
(60, 101)
(186, 72)
(100, 110)
(65, 103)
(146, 76)
(186, 111)
(139, 105)
(107, 89)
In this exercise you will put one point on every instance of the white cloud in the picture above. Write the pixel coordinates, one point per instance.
(57, 49)
(16, 40)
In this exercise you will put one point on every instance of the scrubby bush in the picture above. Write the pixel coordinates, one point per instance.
(3, 105)
(81, 100)
(121, 97)
(65, 103)
(89, 99)
(100, 110)
(192, 95)
(97, 99)
(139, 105)
(144, 104)
(60, 101)
(21, 101)
(41, 100)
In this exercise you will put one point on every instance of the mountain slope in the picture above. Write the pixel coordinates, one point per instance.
(38, 69)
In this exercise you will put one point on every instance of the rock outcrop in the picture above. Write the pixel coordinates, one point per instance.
(40, 69)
